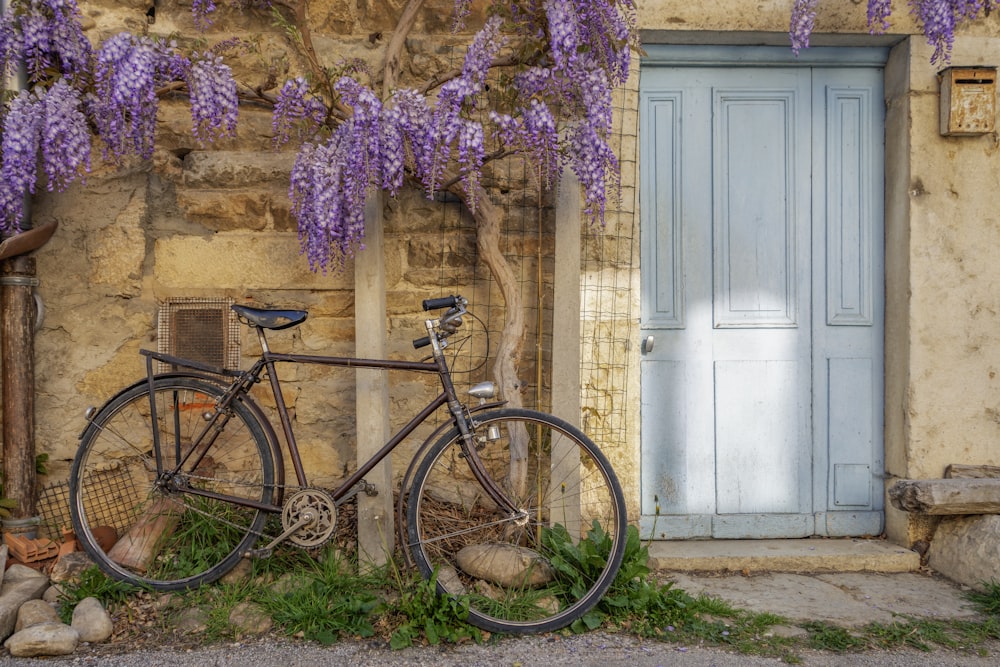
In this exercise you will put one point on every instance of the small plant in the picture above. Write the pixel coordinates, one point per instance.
(93, 583)
(987, 600)
(437, 618)
(826, 637)
(325, 602)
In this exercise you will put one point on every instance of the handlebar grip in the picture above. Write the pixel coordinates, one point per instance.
(421, 342)
(443, 302)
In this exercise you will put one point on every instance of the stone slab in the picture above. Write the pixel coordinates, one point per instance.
(846, 600)
(802, 555)
(967, 549)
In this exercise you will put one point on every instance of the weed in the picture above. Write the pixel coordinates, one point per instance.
(93, 583)
(323, 601)
(826, 637)
(435, 617)
(987, 600)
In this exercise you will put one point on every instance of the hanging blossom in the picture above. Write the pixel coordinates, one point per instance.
(214, 100)
(44, 35)
(938, 20)
(803, 21)
(329, 182)
(20, 158)
(296, 106)
(129, 70)
(65, 136)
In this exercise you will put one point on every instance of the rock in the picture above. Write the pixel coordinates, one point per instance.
(505, 565)
(4, 550)
(43, 639)
(53, 594)
(448, 577)
(20, 585)
(34, 612)
(250, 619)
(967, 549)
(17, 573)
(92, 621)
(192, 621)
(240, 573)
(70, 567)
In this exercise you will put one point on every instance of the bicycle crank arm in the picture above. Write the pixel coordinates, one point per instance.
(305, 519)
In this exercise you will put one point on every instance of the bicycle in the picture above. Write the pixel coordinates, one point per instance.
(176, 476)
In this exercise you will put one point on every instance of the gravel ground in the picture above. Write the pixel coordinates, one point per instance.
(591, 650)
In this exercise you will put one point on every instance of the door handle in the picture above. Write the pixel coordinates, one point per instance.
(647, 344)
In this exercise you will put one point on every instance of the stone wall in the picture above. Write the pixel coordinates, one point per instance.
(215, 221)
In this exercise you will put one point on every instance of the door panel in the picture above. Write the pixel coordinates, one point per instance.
(761, 274)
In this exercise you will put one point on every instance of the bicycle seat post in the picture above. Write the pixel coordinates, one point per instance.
(262, 339)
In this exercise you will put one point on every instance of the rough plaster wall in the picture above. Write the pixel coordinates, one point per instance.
(953, 392)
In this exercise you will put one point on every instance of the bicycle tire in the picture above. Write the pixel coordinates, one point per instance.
(166, 538)
(519, 572)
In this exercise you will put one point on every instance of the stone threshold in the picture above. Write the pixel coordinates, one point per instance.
(810, 555)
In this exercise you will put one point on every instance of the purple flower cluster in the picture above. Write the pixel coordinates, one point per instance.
(128, 72)
(878, 15)
(938, 19)
(295, 107)
(214, 100)
(48, 122)
(803, 20)
(330, 182)
(44, 35)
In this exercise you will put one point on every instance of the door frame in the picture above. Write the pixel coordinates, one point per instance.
(652, 525)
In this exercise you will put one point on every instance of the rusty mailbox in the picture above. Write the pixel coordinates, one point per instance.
(968, 100)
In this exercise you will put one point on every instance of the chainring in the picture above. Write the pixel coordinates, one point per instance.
(318, 508)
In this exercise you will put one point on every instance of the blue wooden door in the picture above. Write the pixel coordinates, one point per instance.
(761, 325)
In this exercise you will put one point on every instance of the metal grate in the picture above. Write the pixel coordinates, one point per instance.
(53, 508)
(201, 329)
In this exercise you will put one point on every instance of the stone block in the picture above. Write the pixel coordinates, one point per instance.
(237, 261)
(967, 549)
(18, 588)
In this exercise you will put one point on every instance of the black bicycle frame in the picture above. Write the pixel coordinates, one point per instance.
(242, 381)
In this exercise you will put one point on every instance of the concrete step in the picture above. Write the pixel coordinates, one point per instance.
(802, 555)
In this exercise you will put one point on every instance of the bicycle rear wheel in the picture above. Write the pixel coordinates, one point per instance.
(154, 525)
(539, 568)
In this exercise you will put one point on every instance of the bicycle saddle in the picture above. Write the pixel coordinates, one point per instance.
(270, 319)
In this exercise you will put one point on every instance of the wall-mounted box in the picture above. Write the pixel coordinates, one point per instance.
(968, 100)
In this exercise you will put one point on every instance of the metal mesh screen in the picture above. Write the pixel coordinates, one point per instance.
(201, 329)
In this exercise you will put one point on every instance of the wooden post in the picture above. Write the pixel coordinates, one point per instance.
(17, 328)
(376, 528)
(566, 351)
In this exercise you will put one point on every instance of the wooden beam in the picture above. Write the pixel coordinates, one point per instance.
(566, 306)
(376, 536)
(947, 496)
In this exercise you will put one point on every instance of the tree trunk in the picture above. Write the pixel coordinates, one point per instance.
(488, 219)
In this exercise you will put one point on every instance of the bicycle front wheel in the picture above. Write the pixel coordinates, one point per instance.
(150, 521)
(537, 568)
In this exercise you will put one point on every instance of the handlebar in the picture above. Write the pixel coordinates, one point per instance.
(443, 302)
(448, 323)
